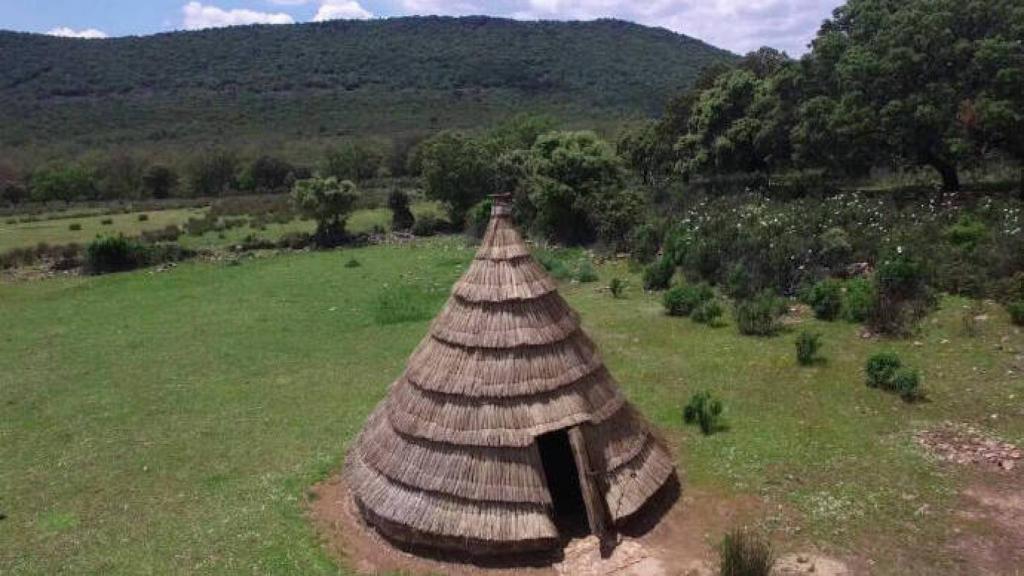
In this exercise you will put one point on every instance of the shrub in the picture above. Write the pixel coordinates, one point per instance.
(881, 369)
(745, 554)
(114, 254)
(906, 383)
(107, 221)
(759, 316)
(658, 275)
(902, 294)
(644, 243)
(617, 287)
(739, 283)
(707, 312)
(143, 217)
(807, 346)
(683, 300)
(826, 298)
(75, 227)
(554, 265)
(1016, 311)
(835, 248)
(858, 300)
(967, 232)
(401, 216)
(352, 263)
(704, 411)
(585, 272)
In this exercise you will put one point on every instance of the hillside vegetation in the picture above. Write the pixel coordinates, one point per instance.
(332, 79)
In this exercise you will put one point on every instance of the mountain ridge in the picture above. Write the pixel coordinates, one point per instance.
(390, 76)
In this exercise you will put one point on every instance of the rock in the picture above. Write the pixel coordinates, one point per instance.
(1006, 465)
(802, 559)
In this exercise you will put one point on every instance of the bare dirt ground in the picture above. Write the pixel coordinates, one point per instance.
(988, 529)
(677, 537)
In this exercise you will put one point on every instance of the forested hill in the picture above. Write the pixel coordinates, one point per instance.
(337, 78)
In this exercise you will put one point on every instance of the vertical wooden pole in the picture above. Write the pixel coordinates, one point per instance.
(592, 497)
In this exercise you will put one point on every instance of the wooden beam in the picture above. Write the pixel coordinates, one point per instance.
(592, 497)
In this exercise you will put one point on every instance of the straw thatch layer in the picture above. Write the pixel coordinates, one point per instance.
(544, 320)
(501, 241)
(468, 472)
(443, 515)
(631, 485)
(501, 372)
(501, 422)
(503, 280)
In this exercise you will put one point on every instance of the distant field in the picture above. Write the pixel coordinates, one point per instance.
(172, 422)
(58, 231)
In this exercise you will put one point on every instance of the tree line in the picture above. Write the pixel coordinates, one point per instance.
(920, 83)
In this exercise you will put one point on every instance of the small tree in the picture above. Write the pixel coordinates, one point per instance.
(354, 161)
(401, 215)
(329, 202)
(457, 171)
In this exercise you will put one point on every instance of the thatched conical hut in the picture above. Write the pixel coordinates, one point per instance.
(504, 419)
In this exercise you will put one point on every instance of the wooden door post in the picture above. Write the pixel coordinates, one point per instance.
(592, 497)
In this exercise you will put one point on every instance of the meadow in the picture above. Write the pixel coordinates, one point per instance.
(174, 421)
(59, 229)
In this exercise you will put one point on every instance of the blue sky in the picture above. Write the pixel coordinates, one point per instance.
(738, 25)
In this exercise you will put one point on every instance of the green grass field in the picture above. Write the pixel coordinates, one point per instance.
(172, 422)
(58, 231)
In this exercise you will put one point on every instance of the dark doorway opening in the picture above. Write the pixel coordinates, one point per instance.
(570, 512)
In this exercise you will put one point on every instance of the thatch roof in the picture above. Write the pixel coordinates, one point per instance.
(449, 458)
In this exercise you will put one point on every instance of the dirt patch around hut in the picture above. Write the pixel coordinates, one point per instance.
(677, 537)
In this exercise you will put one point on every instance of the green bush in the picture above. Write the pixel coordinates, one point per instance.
(760, 316)
(617, 287)
(826, 298)
(585, 272)
(858, 300)
(644, 243)
(906, 383)
(143, 217)
(683, 300)
(352, 263)
(807, 346)
(707, 312)
(75, 227)
(1016, 311)
(107, 221)
(114, 254)
(658, 275)
(902, 295)
(745, 554)
(704, 411)
(881, 369)
(554, 265)
(967, 232)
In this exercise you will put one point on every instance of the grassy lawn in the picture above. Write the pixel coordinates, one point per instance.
(58, 231)
(171, 422)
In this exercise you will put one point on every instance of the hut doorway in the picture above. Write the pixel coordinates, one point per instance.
(563, 478)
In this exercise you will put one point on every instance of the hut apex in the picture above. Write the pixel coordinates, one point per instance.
(506, 432)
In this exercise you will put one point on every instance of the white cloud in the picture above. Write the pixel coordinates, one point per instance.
(71, 33)
(289, 2)
(198, 16)
(341, 10)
